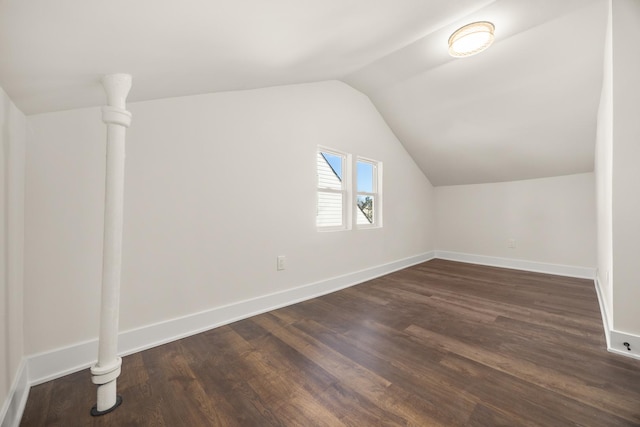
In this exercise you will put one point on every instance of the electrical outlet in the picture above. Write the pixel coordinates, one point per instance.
(511, 243)
(281, 262)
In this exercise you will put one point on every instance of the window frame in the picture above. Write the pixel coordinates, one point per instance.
(376, 194)
(345, 191)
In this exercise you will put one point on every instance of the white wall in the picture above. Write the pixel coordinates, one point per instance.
(12, 163)
(604, 178)
(216, 187)
(552, 220)
(626, 173)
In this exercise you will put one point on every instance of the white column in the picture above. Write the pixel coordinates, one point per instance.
(117, 119)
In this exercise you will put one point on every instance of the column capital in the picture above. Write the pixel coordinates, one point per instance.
(115, 115)
(117, 87)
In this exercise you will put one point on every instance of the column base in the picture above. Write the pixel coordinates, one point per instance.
(96, 413)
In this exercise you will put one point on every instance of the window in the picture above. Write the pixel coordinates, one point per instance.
(332, 189)
(367, 195)
(335, 189)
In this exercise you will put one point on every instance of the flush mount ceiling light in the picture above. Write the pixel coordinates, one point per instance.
(471, 39)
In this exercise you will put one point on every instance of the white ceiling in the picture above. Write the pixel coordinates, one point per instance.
(525, 108)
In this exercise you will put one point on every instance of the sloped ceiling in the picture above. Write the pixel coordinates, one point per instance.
(525, 108)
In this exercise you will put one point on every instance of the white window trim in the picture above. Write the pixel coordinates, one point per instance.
(346, 190)
(376, 194)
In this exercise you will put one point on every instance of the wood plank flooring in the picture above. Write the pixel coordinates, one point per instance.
(438, 344)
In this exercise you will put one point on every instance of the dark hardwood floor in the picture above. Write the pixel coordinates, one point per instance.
(438, 344)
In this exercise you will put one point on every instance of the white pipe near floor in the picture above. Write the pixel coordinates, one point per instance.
(117, 119)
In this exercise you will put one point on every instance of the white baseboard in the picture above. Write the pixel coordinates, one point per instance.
(13, 407)
(59, 362)
(616, 339)
(520, 264)
(604, 311)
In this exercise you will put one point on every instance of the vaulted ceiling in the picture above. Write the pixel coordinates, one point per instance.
(525, 108)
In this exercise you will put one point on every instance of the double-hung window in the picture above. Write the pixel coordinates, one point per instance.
(368, 212)
(333, 173)
(349, 192)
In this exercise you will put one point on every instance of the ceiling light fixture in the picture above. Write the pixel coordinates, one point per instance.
(471, 39)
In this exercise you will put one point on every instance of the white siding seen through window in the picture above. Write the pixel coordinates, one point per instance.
(331, 189)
